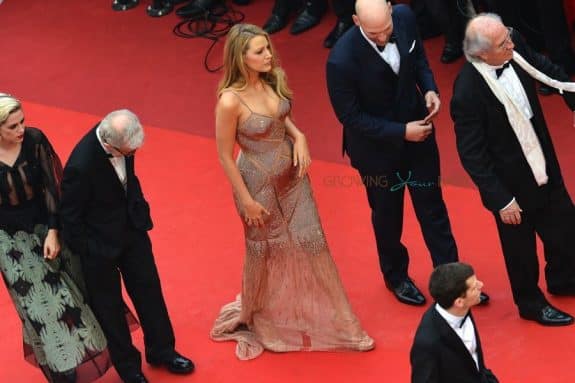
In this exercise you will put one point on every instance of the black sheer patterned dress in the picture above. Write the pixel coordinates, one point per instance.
(60, 333)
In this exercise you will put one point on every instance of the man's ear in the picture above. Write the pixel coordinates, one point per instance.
(355, 19)
(458, 303)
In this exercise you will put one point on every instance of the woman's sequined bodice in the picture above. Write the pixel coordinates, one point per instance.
(261, 133)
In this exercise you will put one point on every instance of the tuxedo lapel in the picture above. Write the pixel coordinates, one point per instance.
(403, 46)
(401, 42)
(451, 340)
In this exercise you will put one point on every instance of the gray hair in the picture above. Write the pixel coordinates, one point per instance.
(8, 105)
(475, 42)
(122, 128)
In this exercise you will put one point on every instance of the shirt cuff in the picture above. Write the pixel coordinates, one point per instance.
(509, 204)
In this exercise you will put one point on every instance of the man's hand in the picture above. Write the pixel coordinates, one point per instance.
(511, 215)
(417, 131)
(432, 103)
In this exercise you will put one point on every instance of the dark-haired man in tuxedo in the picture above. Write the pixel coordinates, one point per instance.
(504, 145)
(446, 347)
(105, 220)
(383, 92)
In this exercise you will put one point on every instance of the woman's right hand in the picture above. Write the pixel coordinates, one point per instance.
(254, 213)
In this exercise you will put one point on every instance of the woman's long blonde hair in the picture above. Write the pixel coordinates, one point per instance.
(235, 69)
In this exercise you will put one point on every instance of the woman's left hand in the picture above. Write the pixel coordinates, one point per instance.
(51, 245)
(301, 157)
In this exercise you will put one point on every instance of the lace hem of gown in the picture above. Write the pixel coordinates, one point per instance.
(230, 326)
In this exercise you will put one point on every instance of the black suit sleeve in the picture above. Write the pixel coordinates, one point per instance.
(75, 196)
(343, 94)
(423, 363)
(138, 207)
(472, 144)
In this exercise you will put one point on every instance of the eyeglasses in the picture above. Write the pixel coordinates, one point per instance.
(507, 39)
(125, 154)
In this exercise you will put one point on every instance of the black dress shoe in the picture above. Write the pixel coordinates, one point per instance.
(483, 299)
(196, 8)
(136, 378)
(450, 53)
(338, 30)
(305, 21)
(275, 23)
(160, 8)
(124, 5)
(176, 364)
(548, 316)
(406, 292)
(545, 90)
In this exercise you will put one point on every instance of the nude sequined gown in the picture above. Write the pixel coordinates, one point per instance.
(292, 298)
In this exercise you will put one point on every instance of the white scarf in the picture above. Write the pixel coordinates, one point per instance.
(519, 122)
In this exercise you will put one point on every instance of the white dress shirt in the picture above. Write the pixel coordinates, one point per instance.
(513, 87)
(465, 332)
(119, 163)
(390, 53)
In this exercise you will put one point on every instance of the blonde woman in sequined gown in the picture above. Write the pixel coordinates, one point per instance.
(292, 298)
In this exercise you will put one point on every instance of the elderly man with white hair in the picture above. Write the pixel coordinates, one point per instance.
(105, 220)
(504, 145)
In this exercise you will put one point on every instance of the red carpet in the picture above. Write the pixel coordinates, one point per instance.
(75, 62)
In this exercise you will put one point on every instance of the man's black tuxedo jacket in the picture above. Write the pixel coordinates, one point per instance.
(96, 211)
(373, 103)
(487, 145)
(438, 355)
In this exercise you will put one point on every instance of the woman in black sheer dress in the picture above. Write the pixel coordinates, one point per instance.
(61, 334)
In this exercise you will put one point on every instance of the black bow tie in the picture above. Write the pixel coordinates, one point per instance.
(464, 319)
(499, 71)
(391, 40)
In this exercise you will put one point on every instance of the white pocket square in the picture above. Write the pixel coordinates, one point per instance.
(412, 46)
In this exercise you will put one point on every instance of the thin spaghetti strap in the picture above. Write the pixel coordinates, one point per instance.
(241, 100)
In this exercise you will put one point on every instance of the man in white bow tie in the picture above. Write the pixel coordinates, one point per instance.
(504, 145)
(383, 92)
